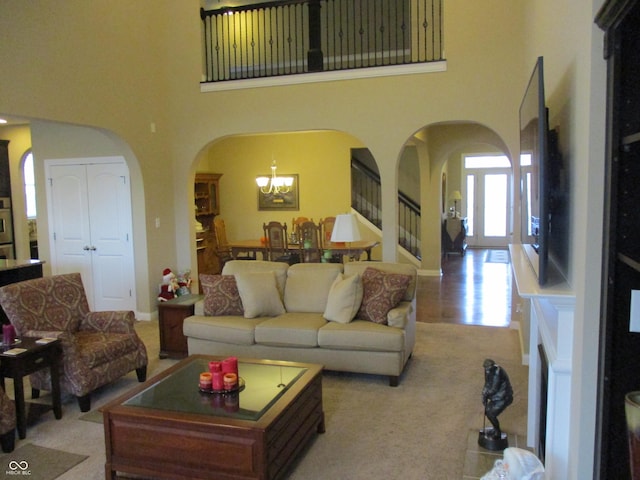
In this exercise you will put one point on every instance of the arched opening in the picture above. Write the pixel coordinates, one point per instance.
(440, 149)
(320, 160)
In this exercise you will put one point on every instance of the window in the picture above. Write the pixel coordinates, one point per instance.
(29, 185)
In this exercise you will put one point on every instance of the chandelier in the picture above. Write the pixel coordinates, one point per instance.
(275, 184)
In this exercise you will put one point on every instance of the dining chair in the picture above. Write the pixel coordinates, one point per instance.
(277, 243)
(223, 250)
(326, 225)
(309, 243)
(295, 222)
(299, 220)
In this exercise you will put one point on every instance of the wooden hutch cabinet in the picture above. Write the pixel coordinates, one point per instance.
(620, 346)
(207, 206)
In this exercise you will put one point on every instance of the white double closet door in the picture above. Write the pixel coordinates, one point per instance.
(89, 202)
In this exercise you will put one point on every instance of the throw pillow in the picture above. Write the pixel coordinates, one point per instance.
(345, 297)
(259, 294)
(382, 291)
(221, 296)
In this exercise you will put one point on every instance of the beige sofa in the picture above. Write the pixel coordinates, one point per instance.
(297, 330)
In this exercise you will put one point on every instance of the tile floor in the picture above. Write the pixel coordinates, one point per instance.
(479, 460)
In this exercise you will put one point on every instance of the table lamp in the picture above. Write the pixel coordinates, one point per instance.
(455, 196)
(345, 229)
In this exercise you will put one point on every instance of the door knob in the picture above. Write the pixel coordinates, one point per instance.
(86, 247)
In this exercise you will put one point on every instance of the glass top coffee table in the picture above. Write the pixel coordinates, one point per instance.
(168, 428)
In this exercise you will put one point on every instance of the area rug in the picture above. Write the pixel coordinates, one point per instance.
(92, 416)
(497, 256)
(418, 430)
(37, 463)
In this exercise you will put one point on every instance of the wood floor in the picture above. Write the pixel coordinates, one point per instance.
(471, 290)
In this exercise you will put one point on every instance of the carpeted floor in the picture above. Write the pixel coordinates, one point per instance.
(418, 430)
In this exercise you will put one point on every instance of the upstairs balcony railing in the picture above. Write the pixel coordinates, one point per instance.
(300, 36)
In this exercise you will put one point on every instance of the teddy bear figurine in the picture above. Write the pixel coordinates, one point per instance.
(184, 283)
(169, 286)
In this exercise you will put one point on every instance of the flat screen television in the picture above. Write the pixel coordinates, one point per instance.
(544, 190)
(533, 188)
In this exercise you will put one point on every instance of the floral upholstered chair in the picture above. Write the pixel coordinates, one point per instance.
(7, 422)
(97, 347)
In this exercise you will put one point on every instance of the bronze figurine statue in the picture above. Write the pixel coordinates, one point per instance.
(497, 394)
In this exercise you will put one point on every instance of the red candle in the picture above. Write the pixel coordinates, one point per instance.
(205, 381)
(217, 380)
(230, 381)
(215, 366)
(230, 365)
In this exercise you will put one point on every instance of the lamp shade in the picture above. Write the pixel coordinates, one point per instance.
(455, 195)
(345, 229)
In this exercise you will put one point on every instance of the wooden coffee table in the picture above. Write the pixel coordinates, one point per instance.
(167, 428)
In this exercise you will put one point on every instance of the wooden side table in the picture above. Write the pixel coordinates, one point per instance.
(35, 357)
(171, 314)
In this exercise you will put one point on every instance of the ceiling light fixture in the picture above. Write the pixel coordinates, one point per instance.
(275, 184)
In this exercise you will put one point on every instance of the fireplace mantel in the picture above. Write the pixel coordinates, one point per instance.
(552, 322)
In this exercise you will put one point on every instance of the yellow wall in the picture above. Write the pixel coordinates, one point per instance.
(321, 159)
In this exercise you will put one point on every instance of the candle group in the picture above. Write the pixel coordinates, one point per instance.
(224, 374)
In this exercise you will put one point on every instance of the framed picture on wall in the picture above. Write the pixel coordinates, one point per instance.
(287, 200)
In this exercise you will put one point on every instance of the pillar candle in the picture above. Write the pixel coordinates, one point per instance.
(205, 381)
(215, 366)
(230, 365)
(217, 380)
(8, 334)
(230, 381)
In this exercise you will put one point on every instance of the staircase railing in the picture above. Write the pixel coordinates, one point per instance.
(366, 199)
(299, 36)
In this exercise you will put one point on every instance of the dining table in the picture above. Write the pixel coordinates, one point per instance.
(352, 249)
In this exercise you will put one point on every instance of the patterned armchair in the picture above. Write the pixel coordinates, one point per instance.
(97, 347)
(7, 422)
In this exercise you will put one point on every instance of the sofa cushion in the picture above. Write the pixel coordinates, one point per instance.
(259, 294)
(308, 285)
(382, 291)
(290, 329)
(221, 296)
(345, 297)
(361, 335)
(228, 329)
(351, 268)
(241, 266)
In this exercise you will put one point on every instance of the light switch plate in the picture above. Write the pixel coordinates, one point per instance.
(634, 317)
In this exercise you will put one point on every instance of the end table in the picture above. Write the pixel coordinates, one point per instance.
(171, 314)
(35, 356)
